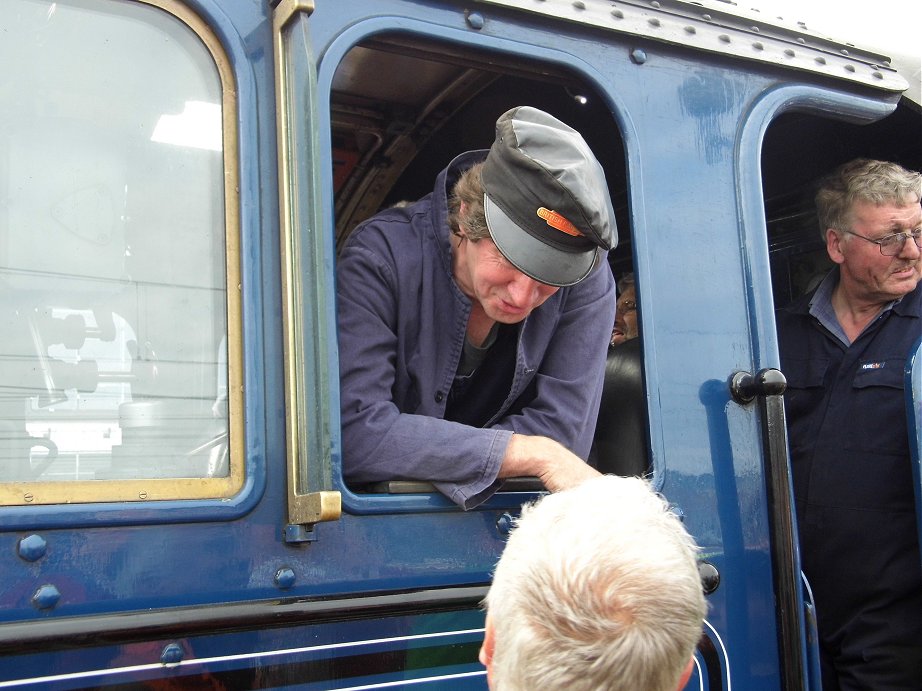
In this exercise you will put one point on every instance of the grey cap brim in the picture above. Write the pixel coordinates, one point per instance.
(533, 257)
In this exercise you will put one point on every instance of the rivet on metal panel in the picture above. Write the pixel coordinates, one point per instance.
(758, 45)
(638, 56)
(504, 523)
(32, 548)
(706, 17)
(171, 654)
(653, 21)
(820, 60)
(617, 14)
(285, 578)
(579, 4)
(710, 577)
(690, 30)
(755, 29)
(790, 53)
(724, 38)
(844, 51)
(849, 68)
(46, 597)
(801, 40)
(475, 20)
(877, 75)
(655, 4)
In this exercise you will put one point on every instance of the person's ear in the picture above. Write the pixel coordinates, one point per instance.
(462, 219)
(686, 674)
(834, 243)
(486, 650)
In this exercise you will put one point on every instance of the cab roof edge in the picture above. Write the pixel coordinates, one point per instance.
(725, 28)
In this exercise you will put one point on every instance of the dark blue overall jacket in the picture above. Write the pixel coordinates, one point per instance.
(849, 440)
(402, 324)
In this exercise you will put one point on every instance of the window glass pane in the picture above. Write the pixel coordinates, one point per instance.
(113, 361)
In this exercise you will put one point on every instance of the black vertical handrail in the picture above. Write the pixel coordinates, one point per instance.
(767, 388)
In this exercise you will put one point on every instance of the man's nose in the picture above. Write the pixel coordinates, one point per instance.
(524, 290)
(909, 250)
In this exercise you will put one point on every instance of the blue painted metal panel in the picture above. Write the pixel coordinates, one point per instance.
(431, 650)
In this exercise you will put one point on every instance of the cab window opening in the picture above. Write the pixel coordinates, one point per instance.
(390, 143)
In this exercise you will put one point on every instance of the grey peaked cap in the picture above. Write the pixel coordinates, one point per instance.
(546, 199)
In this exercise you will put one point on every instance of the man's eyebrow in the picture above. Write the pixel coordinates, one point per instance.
(895, 227)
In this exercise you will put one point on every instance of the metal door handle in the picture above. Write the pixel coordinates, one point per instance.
(767, 387)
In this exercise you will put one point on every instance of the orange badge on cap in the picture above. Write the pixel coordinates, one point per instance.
(555, 220)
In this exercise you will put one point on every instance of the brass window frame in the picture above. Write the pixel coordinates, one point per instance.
(165, 489)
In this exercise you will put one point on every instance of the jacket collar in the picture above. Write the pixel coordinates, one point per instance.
(910, 305)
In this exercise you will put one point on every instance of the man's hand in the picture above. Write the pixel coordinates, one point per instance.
(556, 466)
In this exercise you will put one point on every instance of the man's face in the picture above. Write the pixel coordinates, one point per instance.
(486, 276)
(866, 274)
(625, 317)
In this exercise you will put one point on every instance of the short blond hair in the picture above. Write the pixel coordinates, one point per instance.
(597, 588)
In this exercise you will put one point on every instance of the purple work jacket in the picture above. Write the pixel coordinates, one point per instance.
(402, 323)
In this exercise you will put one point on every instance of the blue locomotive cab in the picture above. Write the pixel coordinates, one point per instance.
(177, 180)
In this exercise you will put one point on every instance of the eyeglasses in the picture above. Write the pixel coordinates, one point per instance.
(892, 245)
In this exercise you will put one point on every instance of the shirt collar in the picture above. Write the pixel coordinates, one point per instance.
(821, 307)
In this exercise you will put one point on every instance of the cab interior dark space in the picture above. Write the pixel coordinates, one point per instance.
(392, 135)
(402, 107)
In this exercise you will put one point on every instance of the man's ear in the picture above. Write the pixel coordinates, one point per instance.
(462, 217)
(486, 650)
(834, 242)
(686, 674)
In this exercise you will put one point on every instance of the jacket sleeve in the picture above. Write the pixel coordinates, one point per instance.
(568, 384)
(381, 441)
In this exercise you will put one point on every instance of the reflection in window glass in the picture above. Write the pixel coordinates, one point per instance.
(113, 361)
